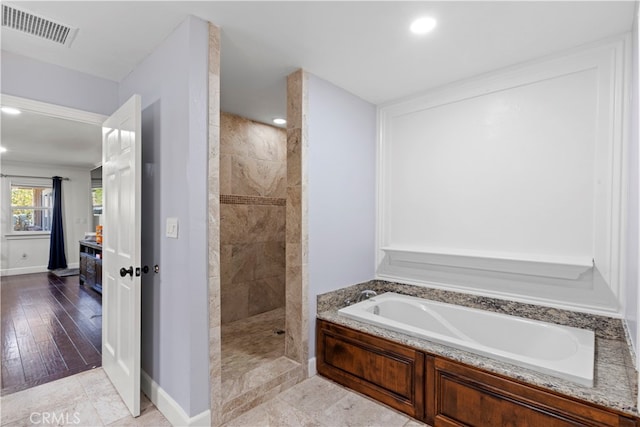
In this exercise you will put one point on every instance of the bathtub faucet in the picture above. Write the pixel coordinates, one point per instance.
(366, 294)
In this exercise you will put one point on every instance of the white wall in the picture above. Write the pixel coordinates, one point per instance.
(633, 211)
(76, 212)
(33, 79)
(341, 162)
(521, 164)
(173, 84)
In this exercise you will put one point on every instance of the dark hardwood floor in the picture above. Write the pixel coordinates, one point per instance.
(51, 328)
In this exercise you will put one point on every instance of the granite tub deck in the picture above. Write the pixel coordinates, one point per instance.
(615, 377)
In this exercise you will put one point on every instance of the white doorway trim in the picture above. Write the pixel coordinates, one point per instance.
(52, 110)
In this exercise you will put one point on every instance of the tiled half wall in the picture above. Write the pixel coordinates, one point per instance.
(253, 188)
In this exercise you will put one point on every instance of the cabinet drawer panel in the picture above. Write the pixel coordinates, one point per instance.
(390, 373)
(387, 370)
(472, 397)
(469, 406)
(98, 272)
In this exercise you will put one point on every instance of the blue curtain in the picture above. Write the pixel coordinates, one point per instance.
(57, 258)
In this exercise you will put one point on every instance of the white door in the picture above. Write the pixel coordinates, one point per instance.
(121, 167)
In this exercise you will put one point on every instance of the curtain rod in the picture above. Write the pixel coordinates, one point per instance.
(2, 175)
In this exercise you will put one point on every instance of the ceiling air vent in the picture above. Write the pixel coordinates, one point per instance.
(38, 26)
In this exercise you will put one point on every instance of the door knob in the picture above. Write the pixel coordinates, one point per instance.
(124, 271)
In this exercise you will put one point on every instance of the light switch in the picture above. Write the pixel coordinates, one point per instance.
(172, 228)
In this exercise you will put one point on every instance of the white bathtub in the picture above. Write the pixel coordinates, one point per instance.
(561, 351)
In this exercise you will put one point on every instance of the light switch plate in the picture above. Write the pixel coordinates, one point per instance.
(172, 228)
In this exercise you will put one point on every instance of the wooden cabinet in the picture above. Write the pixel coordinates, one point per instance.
(91, 265)
(443, 392)
(466, 396)
(388, 372)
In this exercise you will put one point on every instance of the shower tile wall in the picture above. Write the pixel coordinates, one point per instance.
(253, 189)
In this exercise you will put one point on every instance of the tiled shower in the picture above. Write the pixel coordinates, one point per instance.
(258, 252)
(253, 187)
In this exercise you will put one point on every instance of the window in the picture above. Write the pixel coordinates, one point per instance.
(96, 191)
(96, 198)
(31, 208)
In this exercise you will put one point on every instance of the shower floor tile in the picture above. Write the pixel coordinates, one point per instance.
(251, 342)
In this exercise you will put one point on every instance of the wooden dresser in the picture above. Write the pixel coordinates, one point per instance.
(91, 264)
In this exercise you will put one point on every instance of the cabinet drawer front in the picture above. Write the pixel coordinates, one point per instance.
(468, 397)
(469, 406)
(386, 370)
(99, 272)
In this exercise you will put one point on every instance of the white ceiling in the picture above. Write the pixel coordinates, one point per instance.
(363, 47)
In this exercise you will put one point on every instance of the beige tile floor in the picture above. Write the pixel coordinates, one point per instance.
(320, 402)
(86, 399)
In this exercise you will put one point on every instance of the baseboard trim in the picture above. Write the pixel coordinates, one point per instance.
(23, 270)
(172, 411)
(312, 370)
(30, 270)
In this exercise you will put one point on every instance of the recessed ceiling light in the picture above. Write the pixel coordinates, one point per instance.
(10, 110)
(3, 150)
(279, 121)
(423, 25)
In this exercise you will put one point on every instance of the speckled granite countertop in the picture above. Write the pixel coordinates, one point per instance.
(615, 375)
